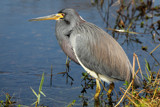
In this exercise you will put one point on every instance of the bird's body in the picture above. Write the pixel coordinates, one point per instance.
(103, 57)
(94, 49)
(91, 47)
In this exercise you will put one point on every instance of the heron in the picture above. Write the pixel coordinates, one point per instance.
(95, 50)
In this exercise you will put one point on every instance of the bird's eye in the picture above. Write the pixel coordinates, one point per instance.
(63, 14)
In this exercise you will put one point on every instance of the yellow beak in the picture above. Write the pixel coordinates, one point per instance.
(50, 17)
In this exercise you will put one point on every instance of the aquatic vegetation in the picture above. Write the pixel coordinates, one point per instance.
(8, 101)
(39, 92)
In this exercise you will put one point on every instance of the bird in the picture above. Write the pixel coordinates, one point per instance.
(95, 50)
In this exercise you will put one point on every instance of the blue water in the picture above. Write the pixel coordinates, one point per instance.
(27, 49)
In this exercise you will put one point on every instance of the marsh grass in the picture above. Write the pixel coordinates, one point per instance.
(39, 92)
(148, 96)
(8, 101)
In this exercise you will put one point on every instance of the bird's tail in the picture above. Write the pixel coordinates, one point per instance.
(137, 82)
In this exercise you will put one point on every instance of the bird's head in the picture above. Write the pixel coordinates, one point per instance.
(67, 15)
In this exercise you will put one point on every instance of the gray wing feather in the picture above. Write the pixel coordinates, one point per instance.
(99, 52)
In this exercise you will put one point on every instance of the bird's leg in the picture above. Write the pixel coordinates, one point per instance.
(111, 87)
(67, 62)
(98, 89)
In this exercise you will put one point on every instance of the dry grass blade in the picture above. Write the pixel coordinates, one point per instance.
(123, 31)
(154, 49)
(103, 86)
(141, 101)
(138, 64)
(141, 91)
(129, 97)
(156, 77)
(124, 94)
(154, 93)
(133, 70)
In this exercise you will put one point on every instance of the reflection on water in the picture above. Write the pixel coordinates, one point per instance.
(29, 49)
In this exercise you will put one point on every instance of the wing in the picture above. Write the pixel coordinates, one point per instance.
(99, 52)
(68, 50)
